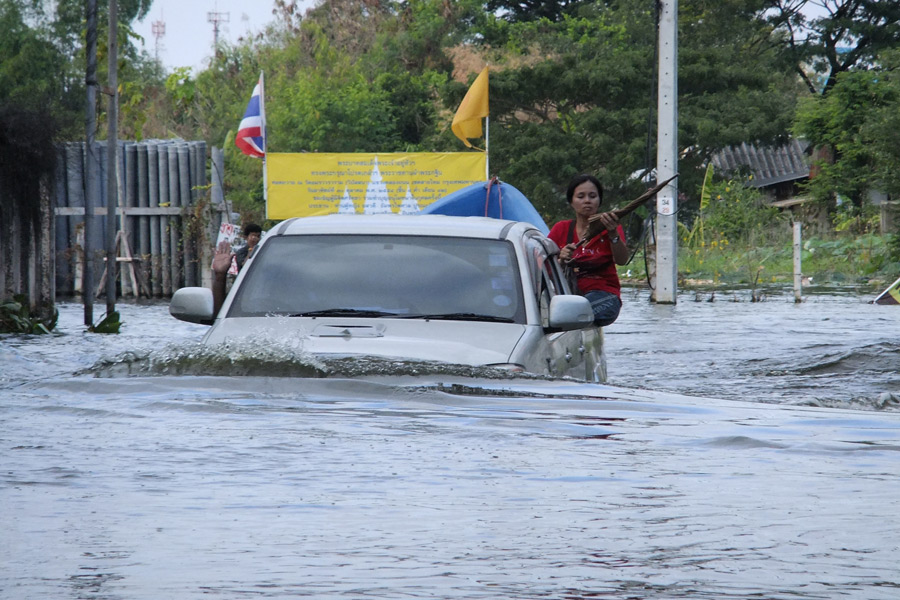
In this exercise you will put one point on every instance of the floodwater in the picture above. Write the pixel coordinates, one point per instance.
(739, 450)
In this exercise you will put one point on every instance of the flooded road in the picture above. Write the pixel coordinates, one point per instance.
(830, 350)
(739, 450)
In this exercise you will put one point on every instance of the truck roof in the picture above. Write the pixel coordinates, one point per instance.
(439, 225)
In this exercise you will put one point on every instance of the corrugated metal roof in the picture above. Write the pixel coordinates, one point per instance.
(768, 165)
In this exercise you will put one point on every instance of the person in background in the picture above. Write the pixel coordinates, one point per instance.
(222, 262)
(593, 262)
(252, 234)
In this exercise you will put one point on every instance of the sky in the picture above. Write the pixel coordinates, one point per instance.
(188, 39)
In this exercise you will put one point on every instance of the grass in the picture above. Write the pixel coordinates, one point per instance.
(738, 240)
(863, 261)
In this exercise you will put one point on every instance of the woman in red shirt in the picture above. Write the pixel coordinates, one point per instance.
(595, 261)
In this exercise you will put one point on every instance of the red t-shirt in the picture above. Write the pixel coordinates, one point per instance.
(595, 265)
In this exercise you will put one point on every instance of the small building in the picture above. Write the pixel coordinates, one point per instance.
(779, 172)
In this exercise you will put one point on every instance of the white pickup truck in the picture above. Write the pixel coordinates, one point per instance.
(464, 290)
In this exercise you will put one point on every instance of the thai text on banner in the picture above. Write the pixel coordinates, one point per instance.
(309, 184)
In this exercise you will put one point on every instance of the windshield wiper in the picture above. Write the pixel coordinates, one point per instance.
(345, 312)
(460, 316)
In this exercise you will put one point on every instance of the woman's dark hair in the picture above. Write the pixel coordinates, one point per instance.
(252, 228)
(578, 180)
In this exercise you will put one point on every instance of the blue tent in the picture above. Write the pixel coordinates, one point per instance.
(488, 199)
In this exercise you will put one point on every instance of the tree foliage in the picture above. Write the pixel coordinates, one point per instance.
(739, 213)
(579, 94)
(42, 57)
(573, 83)
(859, 120)
(533, 10)
(34, 73)
(823, 38)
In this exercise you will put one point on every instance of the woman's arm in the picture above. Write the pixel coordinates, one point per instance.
(619, 248)
(221, 264)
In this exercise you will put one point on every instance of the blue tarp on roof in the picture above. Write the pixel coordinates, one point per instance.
(488, 199)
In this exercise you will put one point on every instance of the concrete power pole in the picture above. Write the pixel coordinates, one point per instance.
(665, 288)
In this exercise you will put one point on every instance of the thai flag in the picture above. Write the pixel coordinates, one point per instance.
(251, 135)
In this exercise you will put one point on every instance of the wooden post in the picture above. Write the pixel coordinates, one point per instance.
(798, 272)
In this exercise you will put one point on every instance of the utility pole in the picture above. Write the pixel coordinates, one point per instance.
(112, 144)
(666, 284)
(216, 18)
(91, 181)
(159, 31)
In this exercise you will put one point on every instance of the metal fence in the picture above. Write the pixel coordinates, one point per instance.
(162, 224)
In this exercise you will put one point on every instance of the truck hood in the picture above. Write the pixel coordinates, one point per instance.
(473, 343)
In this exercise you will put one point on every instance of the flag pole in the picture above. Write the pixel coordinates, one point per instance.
(487, 146)
(262, 114)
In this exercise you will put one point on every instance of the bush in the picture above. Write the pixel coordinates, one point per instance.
(739, 214)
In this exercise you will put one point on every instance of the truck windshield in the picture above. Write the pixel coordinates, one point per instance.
(382, 276)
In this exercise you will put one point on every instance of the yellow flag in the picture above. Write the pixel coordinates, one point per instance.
(473, 108)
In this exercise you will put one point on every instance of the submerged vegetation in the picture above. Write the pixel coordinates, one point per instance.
(15, 317)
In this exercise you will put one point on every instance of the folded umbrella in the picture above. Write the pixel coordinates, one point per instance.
(595, 226)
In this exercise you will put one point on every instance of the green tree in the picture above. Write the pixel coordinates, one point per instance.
(346, 76)
(34, 73)
(738, 213)
(571, 91)
(579, 94)
(67, 21)
(821, 39)
(42, 57)
(858, 119)
(533, 10)
(883, 127)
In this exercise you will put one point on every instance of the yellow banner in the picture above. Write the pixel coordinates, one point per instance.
(307, 184)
